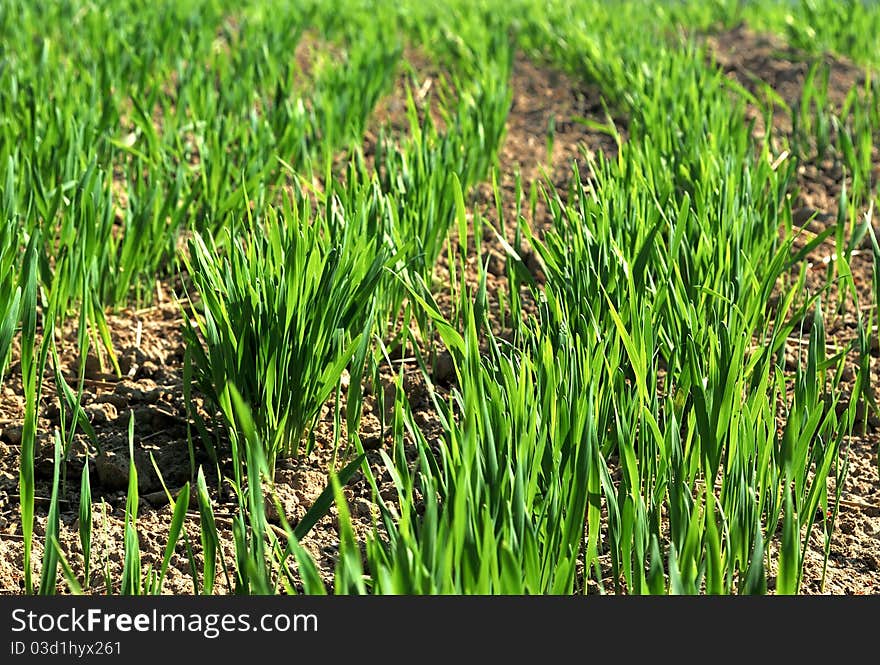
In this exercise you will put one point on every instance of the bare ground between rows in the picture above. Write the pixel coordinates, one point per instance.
(544, 100)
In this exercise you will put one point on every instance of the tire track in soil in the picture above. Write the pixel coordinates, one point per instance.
(754, 59)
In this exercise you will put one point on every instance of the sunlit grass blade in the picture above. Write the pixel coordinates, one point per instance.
(85, 523)
(50, 554)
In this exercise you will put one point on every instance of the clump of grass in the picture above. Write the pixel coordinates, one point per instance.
(281, 315)
(502, 507)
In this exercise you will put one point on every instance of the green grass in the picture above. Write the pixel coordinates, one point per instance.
(501, 509)
(282, 315)
(10, 291)
(644, 428)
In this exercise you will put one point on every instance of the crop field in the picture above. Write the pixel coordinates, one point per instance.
(465, 297)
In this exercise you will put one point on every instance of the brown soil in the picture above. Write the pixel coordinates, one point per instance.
(543, 96)
(152, 390)
(757, 61)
